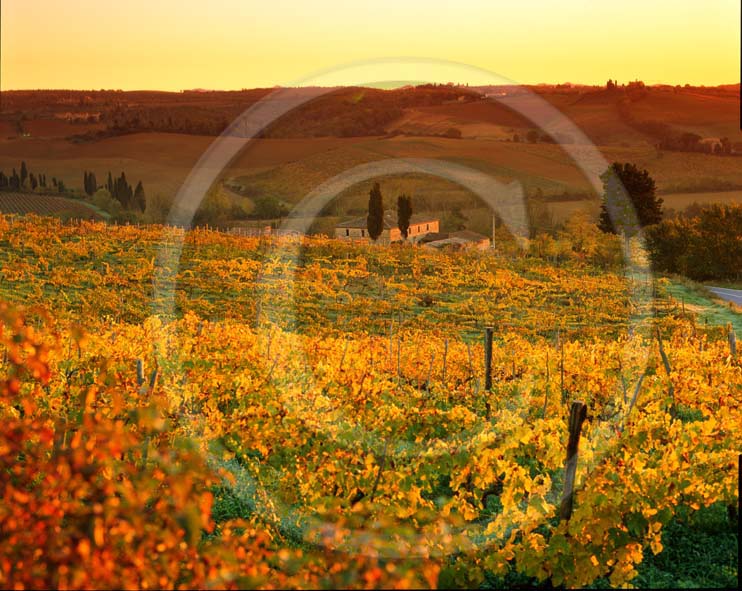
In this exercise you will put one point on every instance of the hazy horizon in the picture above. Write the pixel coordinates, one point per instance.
(390, 86)
(231, 45)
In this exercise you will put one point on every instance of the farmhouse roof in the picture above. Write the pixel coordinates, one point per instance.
(390, 220)
(431, 236)
(455, 242)
(458, 237)
(469, 236)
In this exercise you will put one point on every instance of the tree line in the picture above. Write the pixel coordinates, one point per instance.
(25, 180)
(703, 245)
(118, 188)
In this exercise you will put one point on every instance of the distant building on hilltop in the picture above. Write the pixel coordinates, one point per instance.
(356, 229)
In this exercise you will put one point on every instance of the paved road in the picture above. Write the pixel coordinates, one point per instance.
(730, 295)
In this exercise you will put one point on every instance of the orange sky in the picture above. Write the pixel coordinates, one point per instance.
(232, 44)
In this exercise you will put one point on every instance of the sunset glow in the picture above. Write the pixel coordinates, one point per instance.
(233, 44)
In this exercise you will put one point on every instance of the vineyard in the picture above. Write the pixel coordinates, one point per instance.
(194, 409)
(24, 203)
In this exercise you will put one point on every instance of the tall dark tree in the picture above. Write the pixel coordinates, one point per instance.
(629, 200)
(3, 180)
(122, 191)
(140, 202)
(93, 182)
(375, 219)
(24, 173)
(33, 181)
(15, 181)
(404, 214)
(109, 183)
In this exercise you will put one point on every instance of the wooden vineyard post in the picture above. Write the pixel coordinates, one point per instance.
(577, 416)
(488, 358)
(668, 371)
(561, 370)
(487, 367)
(732, 340)
(140, 373)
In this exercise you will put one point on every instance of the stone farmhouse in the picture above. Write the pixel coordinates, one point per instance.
(420, 225)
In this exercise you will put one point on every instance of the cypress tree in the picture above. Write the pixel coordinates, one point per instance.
(24, 173)
(123, 190)
(375, 219)
(33, 181)
(3, 180)
(116, 191)
(109, 183)
(404, 214)
(140, 201)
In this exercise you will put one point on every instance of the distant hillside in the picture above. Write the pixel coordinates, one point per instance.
(628, 115)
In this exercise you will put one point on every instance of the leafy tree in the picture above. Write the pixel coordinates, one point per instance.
(157, 209)
(454, 221)
(404, 214)
(103, 199)
(704, 246)
(690, 141)
(3, 180)
(629, 200)
(375, 219)
(214, 210)
(268, 207)
(15, 181)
